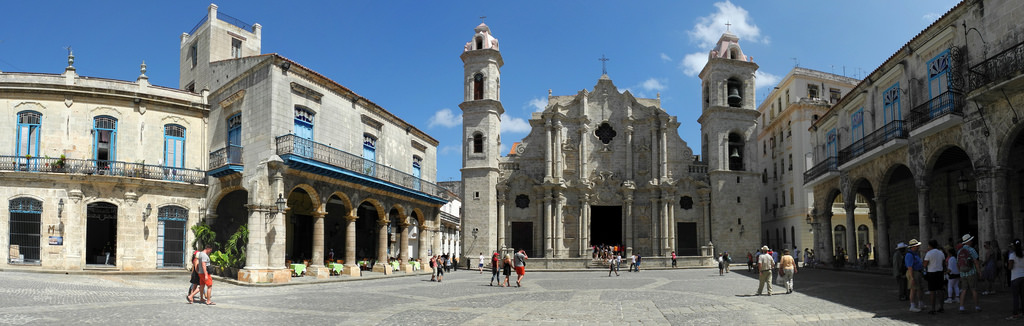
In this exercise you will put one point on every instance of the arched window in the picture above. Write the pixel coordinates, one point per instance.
(479, 42)
(25, 224)
(170, 236)
(104, 140)
(863, 241)
(28, 133)
(478, 143)
(369, 155)
(735, 92)
(174, 146)
(735, 152)
(478, 86)
(839, 236)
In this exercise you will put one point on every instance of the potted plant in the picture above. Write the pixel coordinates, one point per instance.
(58, 165)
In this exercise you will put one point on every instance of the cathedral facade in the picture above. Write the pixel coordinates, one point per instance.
(605, 167)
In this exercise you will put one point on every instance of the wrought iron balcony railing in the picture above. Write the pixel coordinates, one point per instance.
(101, 167)
(950, 102)
(230, 155)
(1001, 66)
(895, 129)
(294, 145)
(830, 164)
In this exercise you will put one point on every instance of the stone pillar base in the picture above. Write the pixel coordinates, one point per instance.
(351, 270)
(382, 268)
(426, 268)
(407, 268)
(320, 272)
(265, 275)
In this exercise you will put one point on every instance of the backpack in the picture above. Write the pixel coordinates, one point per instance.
(964, 261)
(902, 265)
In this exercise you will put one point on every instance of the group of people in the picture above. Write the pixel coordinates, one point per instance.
(605, 252)
(724, 260)
(503, 266)
(441, 264)
(767, 262)
(202, 278)
(954, 272)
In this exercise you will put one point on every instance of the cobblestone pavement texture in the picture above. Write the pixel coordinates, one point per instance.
(676, 297)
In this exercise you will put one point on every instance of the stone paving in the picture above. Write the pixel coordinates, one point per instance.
(663, 297)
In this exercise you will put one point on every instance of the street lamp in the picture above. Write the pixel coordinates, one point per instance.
(475, 230)
(279, 206)
(145, 214)
(962, 182)
(60, 208)
(281, 203)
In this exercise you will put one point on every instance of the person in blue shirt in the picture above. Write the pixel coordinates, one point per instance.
(915, 278)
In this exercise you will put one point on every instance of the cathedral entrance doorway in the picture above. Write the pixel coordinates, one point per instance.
(605, 225)
(522, 237)
(686, 239)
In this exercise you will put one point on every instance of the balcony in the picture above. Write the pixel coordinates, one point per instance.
(225, 161)
(829, 166)
(101, 167)
(454, 220)
(303, 154)
(937, 114)
(881, 141)
(1005, 66)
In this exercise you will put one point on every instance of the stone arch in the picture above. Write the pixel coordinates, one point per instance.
(215, 201)
(417, 214)
(345, 201)
(314, 195)
(381, 213)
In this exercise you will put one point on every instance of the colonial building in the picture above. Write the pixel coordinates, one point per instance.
(117, 173)
(605, 167)
(800, 98)
(931, 139)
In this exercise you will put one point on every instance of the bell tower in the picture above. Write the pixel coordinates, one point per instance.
(728, 143)
(481, 127)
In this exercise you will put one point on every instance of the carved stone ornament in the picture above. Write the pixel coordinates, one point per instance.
(522, 201)
(520, 148)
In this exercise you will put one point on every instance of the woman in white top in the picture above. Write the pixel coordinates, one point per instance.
(953, 275)
(1016, 264)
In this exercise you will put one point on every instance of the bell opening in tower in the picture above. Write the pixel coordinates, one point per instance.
(605, 225)
(478, 87)
(735, 93)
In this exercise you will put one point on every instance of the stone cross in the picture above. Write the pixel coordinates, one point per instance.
(604, 68)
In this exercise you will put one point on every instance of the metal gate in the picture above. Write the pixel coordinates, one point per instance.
(25, 226)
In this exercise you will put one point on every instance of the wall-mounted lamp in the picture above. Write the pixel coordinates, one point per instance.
(149, 210)
(475, 230)
(742, 228)
(962, 183)
(279, 207)
(60, 209)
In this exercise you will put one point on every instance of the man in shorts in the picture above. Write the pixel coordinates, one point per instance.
(915, 276)
(520, 265)
(933, 265)
(481, 265)
(967, 260)
(203, 271)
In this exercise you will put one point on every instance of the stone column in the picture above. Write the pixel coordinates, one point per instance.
(559, 245)
(850, 205)
(1001, 206)
(629, 152)
(404, 251)
(351, 268)
(435, 246)
(705, 204)
(583, 152)
(316, 266)
(424, 239)
(502, 194)
(654, 156)
(628, 215)
(828, 252)
(559, 160)
(882, 232)
(665, 232)
(664, 151)
(670, 207)
(547, 150)
(382, 249)
(256, 249)
(655, 239)
(923, 225)
(548, 238)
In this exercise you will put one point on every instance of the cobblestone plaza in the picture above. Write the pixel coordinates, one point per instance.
(676, 297)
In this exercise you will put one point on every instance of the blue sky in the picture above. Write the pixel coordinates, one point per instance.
(404, 55)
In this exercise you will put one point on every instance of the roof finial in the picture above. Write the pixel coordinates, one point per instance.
(142, 69)
(604, 68)
(727, 25)
(71, 57)
(482, 19)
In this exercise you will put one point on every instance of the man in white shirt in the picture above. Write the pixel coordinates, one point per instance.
(765, 266)
(933, 266)
(481, 265)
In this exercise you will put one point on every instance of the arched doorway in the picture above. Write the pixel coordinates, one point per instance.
(839, 234)
(170, 234)
(367, 230)
(864, 249)
(952, 212)
(299, 226)
(24, 227)
(101, 233)
(335, 227)
(231, 214)
(394, 233)
(899, 207)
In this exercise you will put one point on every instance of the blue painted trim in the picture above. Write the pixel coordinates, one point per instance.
(308, 165)
(225, 170)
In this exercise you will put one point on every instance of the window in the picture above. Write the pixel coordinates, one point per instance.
(522, 201)
(234, 139)
(812, 91)
(369, 155)
(686, 202)
(104, 140)
(28, 133)
(938, 82)
(24, 227)
(831, 143)
(478, 86)
(735, 91)
(478, 143)
(479, 42)
(193, 54)
(787, 97)
(891, 104)
(791, 196)
(840, 238)
(782, 166)
(191, 87)
(170, 235)
(863, 246)
(174, 146)
(735, 152)
(833, 95)
(764, 176)
(791, 162)
(236, 48)
(303, 132)
(416, 163)
(857, 130)
(605, 133)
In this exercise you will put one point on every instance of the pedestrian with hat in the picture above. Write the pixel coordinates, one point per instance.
(899, 271)
(915, 276)
(967, 261)
(765, 265)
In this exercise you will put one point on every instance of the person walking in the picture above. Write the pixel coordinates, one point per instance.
(915, 276)
(520, 264)
(638, 260)
(727, 259)
(953, 277)
(632, 262)
(442, 264)
(765, 264)
(203, 271)
(433, 266)
(494, 269)
(933, 264)
(673, 259)
(194, 281)
(721, 265)
(967, 262)
(990, 270)
(787, 269)
(899, 270)
(613, 265)
(506, 268)
(750, 262)
(1015, 260)
(481, 264)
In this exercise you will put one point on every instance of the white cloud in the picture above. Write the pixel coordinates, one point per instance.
(538, 104)
(503, 150)
(693, 63)
(665, 57)
(709, 29)
(445, 118)
(514, 125)
(764, 79)
(930, 17)
(449, 149)
(652, 84)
